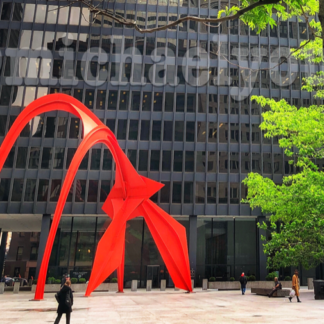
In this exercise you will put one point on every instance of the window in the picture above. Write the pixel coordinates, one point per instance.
(20, 251)
(33, 253)
(177, 162)
(4, 189)
(6, 10)
(132, 156)
(168, 130)
(9, 161)
(166, 161)
(188, 192)
(179, 130)
(30, 190)
(133, 130)
(155, 160)
(200, 193)
(55, 189)
(92, 190)
(177, 192)
(112, 100)
(189, 161)
(156, 130)
(104, 190)
(95, 159)
(46, 158)
(143, 160)
(145, 130)
(190, 131)
(21, 158)
(121, 129)
(17, 190)
(34, 158)
(42, 190)
(107, 160)
(223, 193)
(165, 192)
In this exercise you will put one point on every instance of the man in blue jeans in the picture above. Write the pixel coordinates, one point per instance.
(243, 281)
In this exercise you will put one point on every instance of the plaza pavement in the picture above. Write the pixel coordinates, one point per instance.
(174, 307)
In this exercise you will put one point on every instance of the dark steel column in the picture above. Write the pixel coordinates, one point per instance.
(192, 242)
(262, 259)
(3, 250)
(46, 223)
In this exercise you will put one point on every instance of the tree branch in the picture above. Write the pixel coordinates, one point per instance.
(131, 23)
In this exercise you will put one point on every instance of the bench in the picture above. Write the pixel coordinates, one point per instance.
(266, 291)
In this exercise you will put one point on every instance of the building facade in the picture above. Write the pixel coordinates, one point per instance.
(178, 101)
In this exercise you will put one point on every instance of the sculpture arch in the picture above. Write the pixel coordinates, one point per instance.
(128, 198)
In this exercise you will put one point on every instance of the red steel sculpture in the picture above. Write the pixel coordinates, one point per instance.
(128, 198)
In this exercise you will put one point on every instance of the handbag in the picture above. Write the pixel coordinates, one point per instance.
(292, 293)
(57, 297)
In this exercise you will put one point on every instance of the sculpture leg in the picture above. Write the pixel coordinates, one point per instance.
(77, 159)
(110, 249)
(170, 238)
(120, 273)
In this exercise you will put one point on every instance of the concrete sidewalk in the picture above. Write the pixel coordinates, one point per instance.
(165, 307)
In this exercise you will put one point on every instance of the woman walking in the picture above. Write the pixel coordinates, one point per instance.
(295, 286)
(65, 300)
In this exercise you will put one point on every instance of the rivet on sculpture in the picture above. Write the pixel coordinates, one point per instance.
(129, 198)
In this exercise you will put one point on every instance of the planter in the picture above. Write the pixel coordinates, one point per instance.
(79, 287)
(224, 285)
(267, 284)
(233, 285)
(113, 286)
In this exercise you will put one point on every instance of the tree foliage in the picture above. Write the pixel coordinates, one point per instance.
(297, 203)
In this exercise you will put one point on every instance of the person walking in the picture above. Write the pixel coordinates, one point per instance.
(276, 287)
(63, 280)
(65, 300)
(243, 282)
(295, 286)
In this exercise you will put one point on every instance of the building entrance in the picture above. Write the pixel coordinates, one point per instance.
(153, 273)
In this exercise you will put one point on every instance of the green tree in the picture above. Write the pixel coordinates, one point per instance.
(298, 203)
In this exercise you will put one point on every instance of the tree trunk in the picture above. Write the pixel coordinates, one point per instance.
(321, 18)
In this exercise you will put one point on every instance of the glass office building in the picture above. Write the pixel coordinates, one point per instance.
(178, 101)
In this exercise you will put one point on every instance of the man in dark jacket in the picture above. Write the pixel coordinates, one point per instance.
(276, 287)
(243, 282)
(65, 300)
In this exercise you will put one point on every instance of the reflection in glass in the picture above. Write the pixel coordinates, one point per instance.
(25, 39)
(30, 190)
(34, 158)
(55, 189)
(46, 158)
(104, 190)
(40, 14)
(92, 191)
(17, 189)
(9, 160)
(42, 190)
(21, 157)
(58, 158)
(29, 12)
